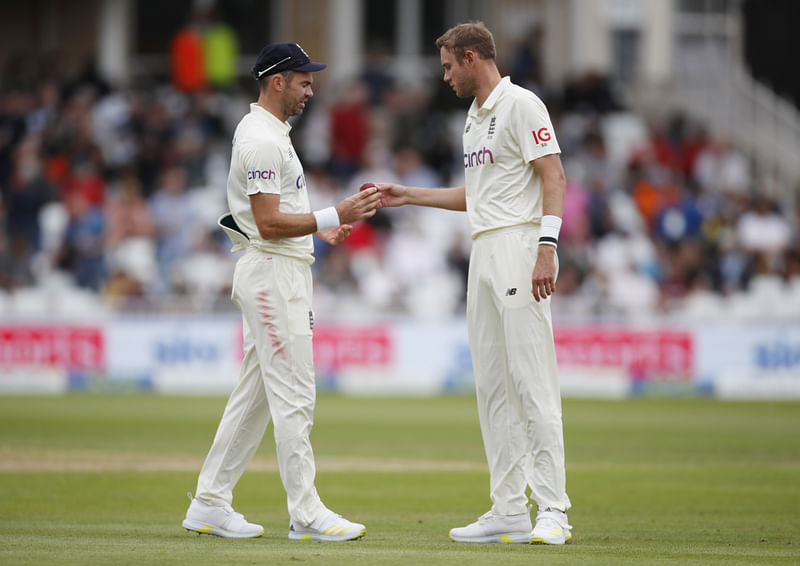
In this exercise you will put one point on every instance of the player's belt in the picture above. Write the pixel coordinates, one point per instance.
(532, 225)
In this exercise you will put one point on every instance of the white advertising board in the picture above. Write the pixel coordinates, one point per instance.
(201, 355)
(749, 361)
(176, 354)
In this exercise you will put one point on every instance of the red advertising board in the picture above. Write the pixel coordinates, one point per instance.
(643, 353)
(74, 347)
(339, 346)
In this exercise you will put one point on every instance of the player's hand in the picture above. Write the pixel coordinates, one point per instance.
(391, 194)
(544, 273)
(359, 206)
(335, 236)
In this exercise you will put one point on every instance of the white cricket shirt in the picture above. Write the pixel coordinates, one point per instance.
(501, 138)
(264, 161)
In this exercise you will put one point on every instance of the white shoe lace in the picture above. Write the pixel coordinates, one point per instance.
(549, 518)
(489, 515)
(331, 518)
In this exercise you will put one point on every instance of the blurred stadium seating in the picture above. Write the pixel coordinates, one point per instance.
(110, 197)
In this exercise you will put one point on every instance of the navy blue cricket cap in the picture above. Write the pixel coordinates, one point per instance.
(280, 57)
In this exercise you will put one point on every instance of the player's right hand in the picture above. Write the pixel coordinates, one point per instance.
(359, 206)
(391, 194)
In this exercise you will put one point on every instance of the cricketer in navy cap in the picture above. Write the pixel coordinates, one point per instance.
(280, 57)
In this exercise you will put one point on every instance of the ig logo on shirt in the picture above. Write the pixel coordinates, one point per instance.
(541, 136)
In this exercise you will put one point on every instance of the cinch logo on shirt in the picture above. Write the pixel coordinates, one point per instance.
(478, 158)
(265, 174)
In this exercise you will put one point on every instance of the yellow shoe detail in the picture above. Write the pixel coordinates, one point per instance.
(205, 529)
(556, 532)
(261, 532)
(506, 539)
(306, 537)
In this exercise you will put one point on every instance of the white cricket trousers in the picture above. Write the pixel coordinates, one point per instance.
(516, 377)
(276, 381)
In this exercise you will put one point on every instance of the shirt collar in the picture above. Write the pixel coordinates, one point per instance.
(491, 100)
(274, 121)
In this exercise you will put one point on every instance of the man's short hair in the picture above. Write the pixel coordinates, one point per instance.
(474, 36)
(263, 82)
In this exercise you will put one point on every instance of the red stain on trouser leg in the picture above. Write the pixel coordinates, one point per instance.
(267, 311)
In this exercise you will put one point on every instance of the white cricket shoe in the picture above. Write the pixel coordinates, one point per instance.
(327, 526)
(495, 528)
(551, 528)
(220, 521)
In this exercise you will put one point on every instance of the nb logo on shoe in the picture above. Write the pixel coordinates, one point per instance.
(511, 291)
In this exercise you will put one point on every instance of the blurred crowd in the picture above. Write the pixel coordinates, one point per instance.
(109, 200)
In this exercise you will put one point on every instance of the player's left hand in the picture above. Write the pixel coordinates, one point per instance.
(544, 273)
(335, 236)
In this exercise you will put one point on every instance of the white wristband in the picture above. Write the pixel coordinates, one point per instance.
(551, 226)
(327, 218)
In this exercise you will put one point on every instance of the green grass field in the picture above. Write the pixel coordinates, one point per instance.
(96, 480)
